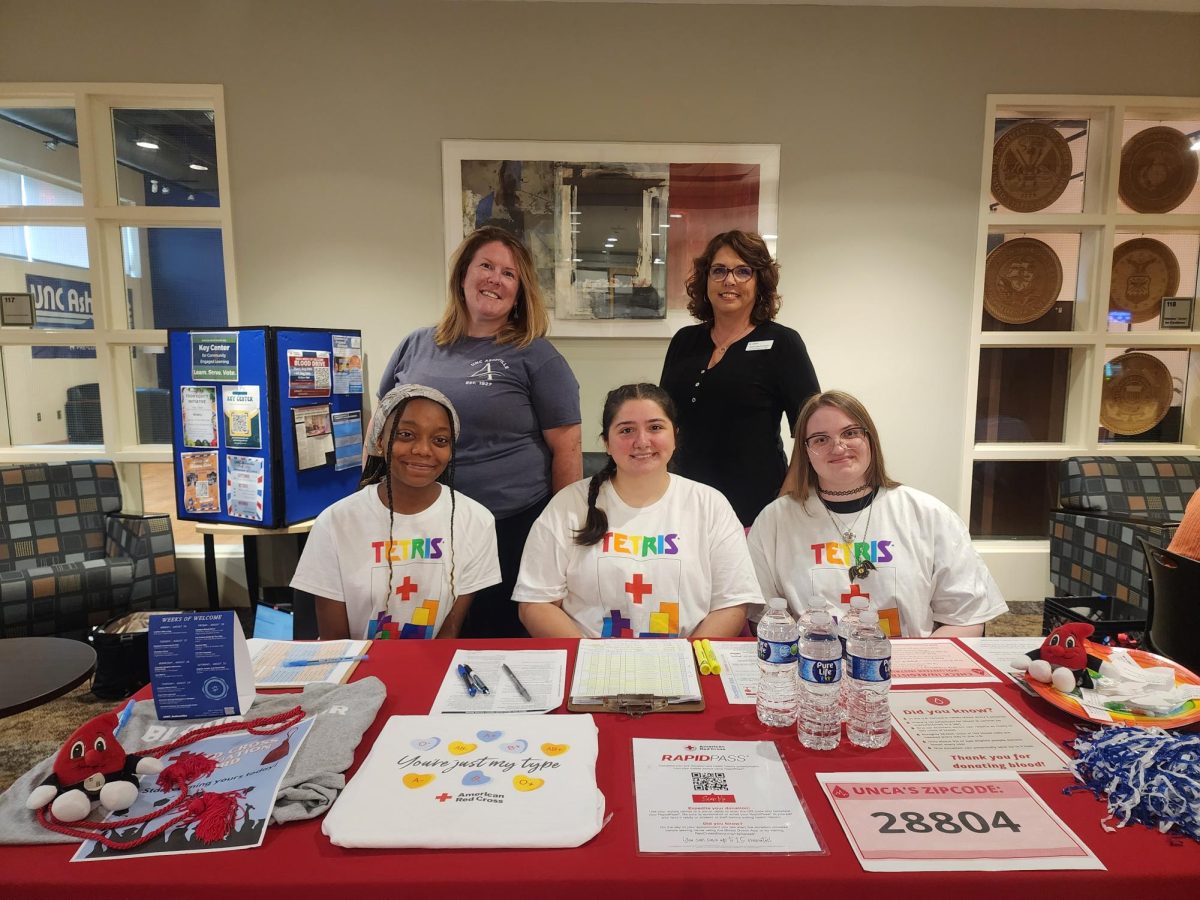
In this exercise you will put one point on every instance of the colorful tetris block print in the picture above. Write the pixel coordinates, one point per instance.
(616, 626)
(664, 623)
(424, 617)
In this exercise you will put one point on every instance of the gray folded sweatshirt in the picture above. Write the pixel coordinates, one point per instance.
(343, 712)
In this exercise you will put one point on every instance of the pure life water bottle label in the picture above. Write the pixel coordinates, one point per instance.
(821, 671)
(868, 669)
(778, 651)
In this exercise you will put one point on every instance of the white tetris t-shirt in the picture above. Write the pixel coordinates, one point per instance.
(926, 569)
(657, 572)
(348, 555)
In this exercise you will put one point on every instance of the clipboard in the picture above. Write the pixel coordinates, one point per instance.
(607, 662)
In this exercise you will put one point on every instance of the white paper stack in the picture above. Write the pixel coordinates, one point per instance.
(515, 780)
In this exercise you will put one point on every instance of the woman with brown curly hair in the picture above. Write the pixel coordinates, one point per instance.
(733, 375)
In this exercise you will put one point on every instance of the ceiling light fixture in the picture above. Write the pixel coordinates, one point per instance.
(197, 166)
(676, 215)
(146, 142)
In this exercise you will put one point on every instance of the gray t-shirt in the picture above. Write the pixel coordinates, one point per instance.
(506, 396)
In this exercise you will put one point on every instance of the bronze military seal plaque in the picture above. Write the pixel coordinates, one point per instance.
(1022, 278)
(1031, 165)
(1144, 271)
(1158, 170)
(1137, 396)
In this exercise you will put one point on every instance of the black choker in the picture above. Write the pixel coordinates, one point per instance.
(861, 487)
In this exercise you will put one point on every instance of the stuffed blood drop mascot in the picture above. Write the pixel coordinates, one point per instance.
(92, 766)
(1062, 661)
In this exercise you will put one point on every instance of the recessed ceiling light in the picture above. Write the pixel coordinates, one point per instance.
(676, 215)
(146, 142)
(197, 166)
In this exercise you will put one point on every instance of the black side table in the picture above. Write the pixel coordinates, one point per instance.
(35, 670)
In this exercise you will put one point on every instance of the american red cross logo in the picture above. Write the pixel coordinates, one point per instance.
(407, 589)
(442, 798)
(638, 588)
(855, 591)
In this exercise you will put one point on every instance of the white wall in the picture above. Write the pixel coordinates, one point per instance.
(336, 111)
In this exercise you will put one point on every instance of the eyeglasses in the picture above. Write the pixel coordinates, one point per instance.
(741, 274)
(821, 444)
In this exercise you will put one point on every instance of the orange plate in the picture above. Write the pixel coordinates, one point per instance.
(1188, 713)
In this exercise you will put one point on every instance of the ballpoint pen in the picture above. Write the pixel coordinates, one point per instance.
(475, 679)
(515, 680)
(465, 674)
(332, 660)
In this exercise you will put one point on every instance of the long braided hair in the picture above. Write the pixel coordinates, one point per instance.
(596, 523)
(379, 468)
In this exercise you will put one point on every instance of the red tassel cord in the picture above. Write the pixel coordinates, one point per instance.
(215, 813)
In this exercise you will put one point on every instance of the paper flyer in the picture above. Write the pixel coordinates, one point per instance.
(999, 652)
(739, 670)
(214, 355)
(347, 440)
(198, 408)
(249, 768)
(200, 493)
(243, 417)
(951, 821)
(717, 797)
(347, 364)
(935, 661)
(308, 373)
(244, 487)
(199, 665)
(971, 728)
(314, 435)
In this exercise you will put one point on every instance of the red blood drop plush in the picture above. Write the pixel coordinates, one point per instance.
(91, 767)
(1062, 660)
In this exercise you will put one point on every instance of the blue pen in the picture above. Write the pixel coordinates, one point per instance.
(333, 660)
(465, 674)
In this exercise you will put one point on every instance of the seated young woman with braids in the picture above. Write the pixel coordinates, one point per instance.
(403, 556)
(635, 551)
(848, 530)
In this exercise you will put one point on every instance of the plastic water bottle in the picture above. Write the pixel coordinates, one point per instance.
(850, 619)
(869, 671)
(847, 623)
(818, 720)
(812, 604)
(777, 654)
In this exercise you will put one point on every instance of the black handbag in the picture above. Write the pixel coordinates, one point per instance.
(122, 648)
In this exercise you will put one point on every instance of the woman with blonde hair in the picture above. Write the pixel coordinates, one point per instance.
(848, 529)
(518, 399)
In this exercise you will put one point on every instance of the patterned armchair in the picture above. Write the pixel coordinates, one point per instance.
(1105, 504)
(69, 559)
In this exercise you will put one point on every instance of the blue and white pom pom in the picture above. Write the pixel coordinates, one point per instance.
(1150, 776)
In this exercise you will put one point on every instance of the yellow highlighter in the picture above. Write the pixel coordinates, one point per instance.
(701, 657)
(713, 665)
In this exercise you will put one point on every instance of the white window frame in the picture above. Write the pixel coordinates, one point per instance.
(1090, 338)
(103, 216)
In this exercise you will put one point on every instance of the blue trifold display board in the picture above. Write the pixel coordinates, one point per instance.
(264, 428)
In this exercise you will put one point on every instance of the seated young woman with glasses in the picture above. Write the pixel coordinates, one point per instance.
(848, 530)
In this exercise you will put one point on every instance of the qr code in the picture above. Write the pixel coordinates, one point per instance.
(709, 781)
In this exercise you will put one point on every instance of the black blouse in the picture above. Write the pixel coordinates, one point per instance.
(729, 414)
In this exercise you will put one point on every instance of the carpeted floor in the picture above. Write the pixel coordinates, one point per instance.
(31, 736)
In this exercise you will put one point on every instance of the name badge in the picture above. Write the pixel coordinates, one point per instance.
(759, 345)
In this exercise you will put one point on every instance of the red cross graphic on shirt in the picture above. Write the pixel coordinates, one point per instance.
(855, 591)
(442, 798)
(637, 587)
(407, 589)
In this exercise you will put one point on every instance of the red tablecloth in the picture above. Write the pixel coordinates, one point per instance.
(297, 861)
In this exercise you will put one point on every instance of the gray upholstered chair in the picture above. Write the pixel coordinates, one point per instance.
(69, 559)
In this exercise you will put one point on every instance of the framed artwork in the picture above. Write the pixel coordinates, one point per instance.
(613, 228)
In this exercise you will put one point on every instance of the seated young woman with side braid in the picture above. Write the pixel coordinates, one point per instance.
(403, 556)
(635, 551)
